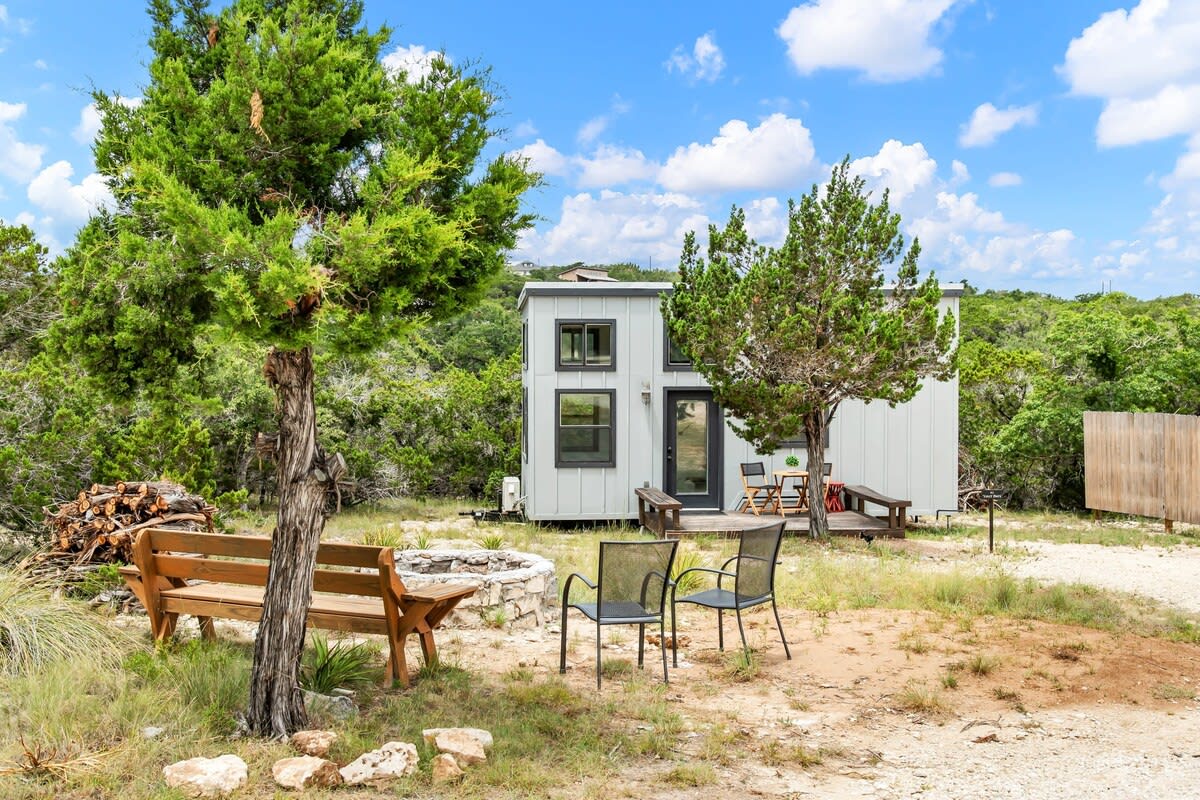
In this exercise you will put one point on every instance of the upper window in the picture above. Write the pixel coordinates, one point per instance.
(524, 345)
(584, 433)
(586, 344)
(673, 357)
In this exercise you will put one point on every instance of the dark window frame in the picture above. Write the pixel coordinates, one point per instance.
(525, 424)
(667, 364)
(612, 429)
(524, 344)
(585, 367)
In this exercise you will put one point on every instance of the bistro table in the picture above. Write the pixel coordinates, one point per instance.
(800, 478)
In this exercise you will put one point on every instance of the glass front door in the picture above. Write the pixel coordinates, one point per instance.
(692, 449)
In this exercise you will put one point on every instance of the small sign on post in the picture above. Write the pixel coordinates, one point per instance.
(991, 495)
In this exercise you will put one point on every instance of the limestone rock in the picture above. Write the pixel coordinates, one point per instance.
(467, 745)
(314, 743)
(445, 768)
(302, 772)
(336, 707)
(207, 777)
(390, 761)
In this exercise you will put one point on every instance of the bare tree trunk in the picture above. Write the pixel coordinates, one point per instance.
(814, 431)
(276, 703)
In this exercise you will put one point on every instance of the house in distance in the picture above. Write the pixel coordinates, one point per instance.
(610, 405)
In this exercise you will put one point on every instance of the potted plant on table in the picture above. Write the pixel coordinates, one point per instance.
(792, 462)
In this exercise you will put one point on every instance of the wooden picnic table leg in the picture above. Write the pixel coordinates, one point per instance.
(662, 522)
(675, 518)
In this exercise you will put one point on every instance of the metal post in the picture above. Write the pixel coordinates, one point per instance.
(991, 495)
(991, 538)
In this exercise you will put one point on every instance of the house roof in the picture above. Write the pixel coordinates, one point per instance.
(637, 289)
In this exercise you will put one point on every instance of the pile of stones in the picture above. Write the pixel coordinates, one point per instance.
(457, 749)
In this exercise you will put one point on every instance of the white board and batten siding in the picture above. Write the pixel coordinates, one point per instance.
(908, 452)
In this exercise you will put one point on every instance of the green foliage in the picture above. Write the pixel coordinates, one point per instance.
(325, 668)
(1032, 364)
(783, 335)
(26, 293)
(103, 578)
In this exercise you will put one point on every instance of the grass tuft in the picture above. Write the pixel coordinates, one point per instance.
(918, 698)
(38, 627)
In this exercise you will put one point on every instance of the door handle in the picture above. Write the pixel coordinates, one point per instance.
(669, 450)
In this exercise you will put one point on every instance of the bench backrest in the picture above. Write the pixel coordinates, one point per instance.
(184, 554)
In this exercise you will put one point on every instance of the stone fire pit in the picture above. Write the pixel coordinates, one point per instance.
(523, 585)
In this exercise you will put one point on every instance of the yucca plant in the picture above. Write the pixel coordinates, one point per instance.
(685, 560)
(326, 668)
(492, 541)
(38, 626)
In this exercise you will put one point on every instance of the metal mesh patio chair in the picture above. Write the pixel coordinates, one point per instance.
(753, 583)
(631, 589)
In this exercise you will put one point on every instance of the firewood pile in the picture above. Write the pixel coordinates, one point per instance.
(100, 524)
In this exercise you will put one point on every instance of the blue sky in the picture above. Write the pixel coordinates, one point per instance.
(1045, 146)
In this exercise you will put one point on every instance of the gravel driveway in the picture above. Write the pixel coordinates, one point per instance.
(1169, 575)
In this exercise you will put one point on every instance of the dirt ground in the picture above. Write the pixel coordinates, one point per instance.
(1036, 710)
(1064, 712)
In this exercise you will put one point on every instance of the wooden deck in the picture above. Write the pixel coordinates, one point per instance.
(730, 523)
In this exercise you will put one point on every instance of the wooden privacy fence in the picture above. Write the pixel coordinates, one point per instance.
(1144, 464)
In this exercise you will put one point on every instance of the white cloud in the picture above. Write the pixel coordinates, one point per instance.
(899, 168)
(1004, 179)
(778, 153)
(414, 61)
(53, 192)
(19, 160)
(987, 123)
(525, 129)
(543, 158)
(610, 166)
(766, 220)
(1144, 64)
(614, 226)
(960, 172)
(22, 26)
(1132, 53)
(89, 120)
(705, 63)
(887, 41)
(40, 64)
(1171, 111)
(590, 131)
(961, 234)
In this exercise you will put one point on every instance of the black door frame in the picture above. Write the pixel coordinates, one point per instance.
(715, 499)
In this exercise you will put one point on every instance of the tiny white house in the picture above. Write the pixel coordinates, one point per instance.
(609, 405)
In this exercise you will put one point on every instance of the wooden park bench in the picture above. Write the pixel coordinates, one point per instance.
(165, 561)
(858, 496)
(659, 502)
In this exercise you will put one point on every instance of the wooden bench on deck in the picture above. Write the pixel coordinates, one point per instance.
(897, 517)
(363, 602)
(659, 503)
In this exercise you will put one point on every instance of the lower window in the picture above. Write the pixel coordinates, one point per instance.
(584, 428)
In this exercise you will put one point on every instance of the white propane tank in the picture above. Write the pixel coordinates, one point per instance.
(510, 494)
